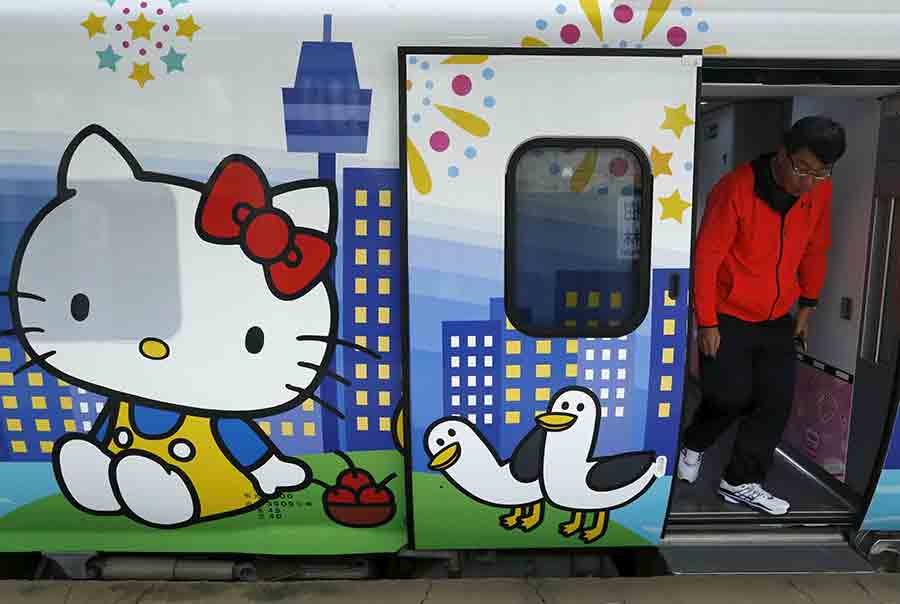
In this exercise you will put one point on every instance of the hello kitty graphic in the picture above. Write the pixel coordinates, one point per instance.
(194, 307)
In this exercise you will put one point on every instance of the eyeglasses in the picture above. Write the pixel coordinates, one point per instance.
(826, 173)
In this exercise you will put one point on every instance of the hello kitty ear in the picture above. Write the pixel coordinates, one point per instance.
(95, 154)
(310, 204)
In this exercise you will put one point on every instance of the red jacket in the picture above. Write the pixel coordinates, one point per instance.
(752, 264)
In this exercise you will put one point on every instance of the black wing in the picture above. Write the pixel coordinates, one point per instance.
(617, 471)
(528, 457)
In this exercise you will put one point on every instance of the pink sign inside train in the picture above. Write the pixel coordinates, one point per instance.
(819, 422)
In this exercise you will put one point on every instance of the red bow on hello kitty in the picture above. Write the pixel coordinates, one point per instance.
(237, 209)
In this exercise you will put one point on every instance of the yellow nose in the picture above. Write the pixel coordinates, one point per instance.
(153, 348)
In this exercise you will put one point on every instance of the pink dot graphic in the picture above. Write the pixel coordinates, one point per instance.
(119, 27)
(143, 5)
(159, 44)
(570, 34)
(677, 36)
(126, 11)
(462, 85)
(159, 11)
(623, 13)
(166, 28)
(125, 44)
(439, 141)
(618, 166)
(143, 51)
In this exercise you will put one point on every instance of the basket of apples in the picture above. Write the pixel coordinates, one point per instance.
(356, 500)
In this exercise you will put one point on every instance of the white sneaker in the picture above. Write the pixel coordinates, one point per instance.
(689, 464)
(753, 495)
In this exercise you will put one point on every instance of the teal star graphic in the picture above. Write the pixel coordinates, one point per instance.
(174, 60)
(110, 2)
(108, 58)
(175, 3)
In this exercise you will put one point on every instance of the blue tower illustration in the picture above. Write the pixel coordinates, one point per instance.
(326, 112)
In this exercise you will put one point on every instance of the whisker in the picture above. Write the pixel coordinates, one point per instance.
(11, 294)
(340, 342)
(36, 359)
(24, 330)
(327, 372)
(315, 398)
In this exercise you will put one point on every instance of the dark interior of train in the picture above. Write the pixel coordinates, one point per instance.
(827, 461)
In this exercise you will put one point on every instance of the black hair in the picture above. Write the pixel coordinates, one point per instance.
(824, 137)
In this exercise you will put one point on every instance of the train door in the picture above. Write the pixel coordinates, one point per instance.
(548, 196)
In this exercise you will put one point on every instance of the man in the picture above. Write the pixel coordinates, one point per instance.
(761, 249)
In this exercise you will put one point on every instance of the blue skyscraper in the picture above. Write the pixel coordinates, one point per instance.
(606, 366)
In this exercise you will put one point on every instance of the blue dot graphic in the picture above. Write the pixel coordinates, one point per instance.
(561, 9)
(452, 171)
(489, 101)
(541, 24)
(627, 190)
(413, 60)
(488, 74)
(471, 152)
(426, 101)
(703, 26)
(425, 65)
(416, 118)
(688, 166)
(603, 190)
(554, 168)
(687, 11)
(605, 45)
(429, 84)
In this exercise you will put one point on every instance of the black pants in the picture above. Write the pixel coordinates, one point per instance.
(752, 377)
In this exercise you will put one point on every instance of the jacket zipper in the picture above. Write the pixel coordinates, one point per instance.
(778, 269)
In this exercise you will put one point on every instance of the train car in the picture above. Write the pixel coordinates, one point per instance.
(357, 278)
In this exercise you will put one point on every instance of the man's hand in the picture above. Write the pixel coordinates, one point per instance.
(801, 327)
(709, 340)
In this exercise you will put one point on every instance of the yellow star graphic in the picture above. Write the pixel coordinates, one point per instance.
(187, 28)
(673, 206)
(140, 27)
(660, 162)
(676, 120)
(141, 74)
(94, 25)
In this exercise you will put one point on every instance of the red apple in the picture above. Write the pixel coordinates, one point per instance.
(340, 495)
(355, 479)
(376, 496)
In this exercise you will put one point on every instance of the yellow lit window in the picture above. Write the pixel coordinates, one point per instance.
(384, 286)
(35, 379)
(384, 371)
(46, 446)
(384, 228)
(361, 227)
(384, 398)
(512, 417)
(6, 378)
(360, 286)
(308, 405)
(38, 402)
(513, 347)
(384, 424)
(384, 315)
(42, 425)
(594, 299)
(571, 346)
(266, 427)
(669, 327)
(665, 383)
(309, 429)
(360, 314)
(542, 370)
(384, 198)
(665, 409)
(615, 300)
(362, 424)
(361, 256)
(18, 446)
(513, 371)
(384, 343)
(571, 323)
(542, 394)
(65, 402)
(667, 300)
(668, 356)
(362, 371)
(362, 341)
(571, 370)
(69, 425)
(615, 323)
(362, 198)
(542, 346)
(592, 323)
(9, 402)
(287, 428)
(5, 355)
(362, 397)
(14, 425)
(384, 257)
(571, 299)
(513, 395)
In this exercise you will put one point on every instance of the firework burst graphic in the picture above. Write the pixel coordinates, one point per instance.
(141, 38)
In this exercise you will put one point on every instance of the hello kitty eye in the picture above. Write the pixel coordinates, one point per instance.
(80, 307)
(254, 340)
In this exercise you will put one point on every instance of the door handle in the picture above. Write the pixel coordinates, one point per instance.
(674, 285)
